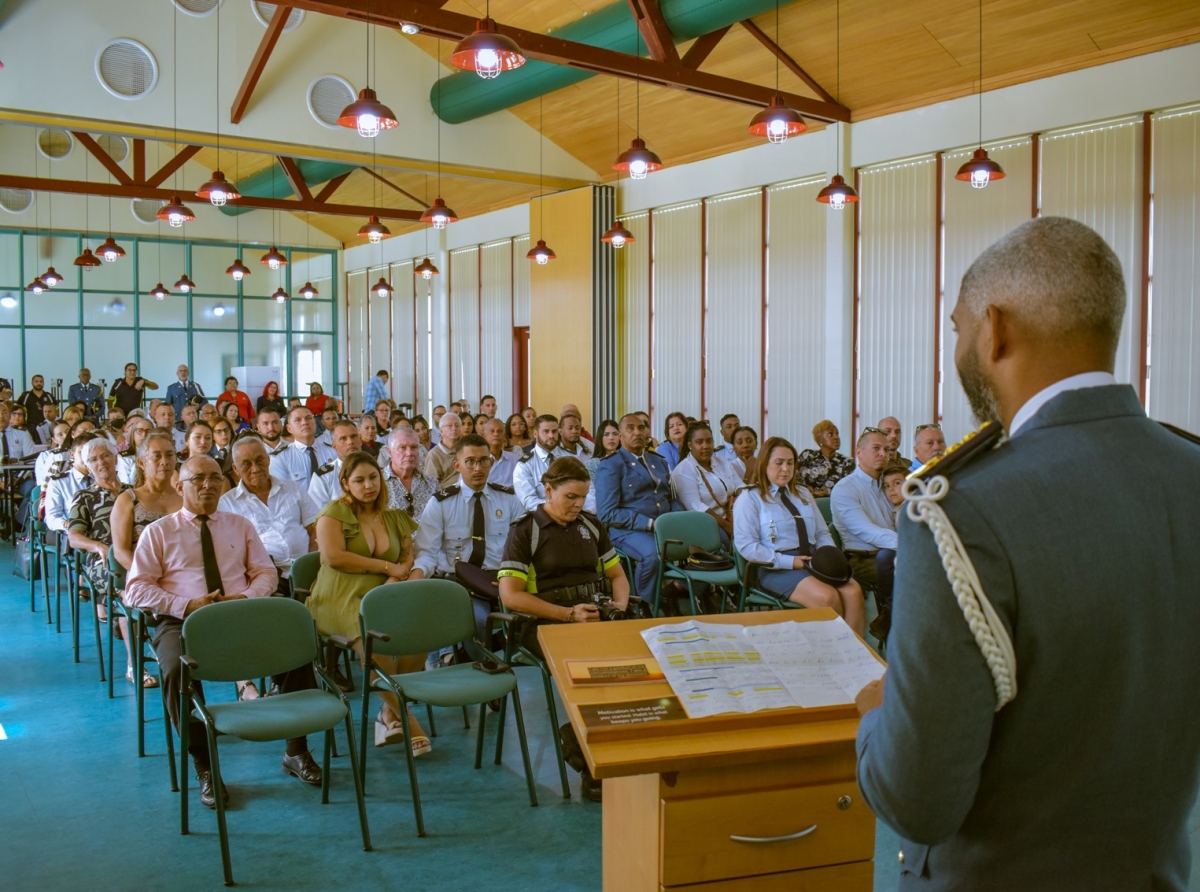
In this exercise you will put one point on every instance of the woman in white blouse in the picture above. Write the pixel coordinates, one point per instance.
(777, 523)
(704, 481)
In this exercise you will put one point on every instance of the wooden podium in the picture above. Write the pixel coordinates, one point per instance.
(732, 803)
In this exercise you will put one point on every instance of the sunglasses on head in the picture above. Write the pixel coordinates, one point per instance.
(921, 427)
(872, 430)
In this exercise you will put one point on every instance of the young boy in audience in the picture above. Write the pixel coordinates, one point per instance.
(893, 485)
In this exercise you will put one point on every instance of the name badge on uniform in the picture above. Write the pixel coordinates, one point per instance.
(499, 514)
(583, 532)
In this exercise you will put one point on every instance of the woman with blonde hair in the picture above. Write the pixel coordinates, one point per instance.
(776, 522)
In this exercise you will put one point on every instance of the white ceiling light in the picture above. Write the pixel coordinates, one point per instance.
(55, 144)
(264, 12)
(327, 96)
(198, 8)
(126, 69)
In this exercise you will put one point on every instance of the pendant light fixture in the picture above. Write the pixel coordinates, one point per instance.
(617, 235)
(280, 295)
(51, 277)
(374, 231)
(981, 169)
(425, 269)
(218, 190)
(109, 250)
(437, 214)
(637, 160)
(367, 114)
(185, 284)
(38, 285)
(274, 259)
(175, 212)
(237, 269)
(838, 193)
(777, 122)
(541, 252)
(87, 261)
(158, 292)
(307, 291)
(486, 51)
(382, 288)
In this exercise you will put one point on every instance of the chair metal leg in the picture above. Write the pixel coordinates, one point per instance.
(432, 723)
(479, 735)
(516, 699)
(362, 743)
(553, 710)
(466, 720)
(44, 566)
(656, 606)
(58, 592)
(139, 662)
(500, 716)
(112, 620)
(359, 792)
(96, 624)
(73, 592)
(184, 733)
(412, 768)
(219, 790)
(325, 768)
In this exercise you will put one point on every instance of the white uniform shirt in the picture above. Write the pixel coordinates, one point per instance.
(503, 469)
(444, 535)
(527, 476)
(325, 485)
(60, 492)
(583, 449)
(20, 444)
(50, 461)
(127, 468)
(764, 529)
(293, 462)
(281, 522)
(689, 480)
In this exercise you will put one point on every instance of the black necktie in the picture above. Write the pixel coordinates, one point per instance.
(801, 529)
(312, 460)
(212, 573)
(478, 542)
(5, 436)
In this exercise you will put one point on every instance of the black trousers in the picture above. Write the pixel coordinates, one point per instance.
(166, 647)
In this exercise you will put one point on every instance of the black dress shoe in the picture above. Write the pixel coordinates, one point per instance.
(208, 791)
(344, 684)
(591, 789)
(303, 767)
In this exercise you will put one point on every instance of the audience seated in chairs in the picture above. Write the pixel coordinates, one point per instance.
(893, 486)
(270, 399)
(14, 443)
(439, 463)
(866, 522)
(164, 416)
(231, 394)
(504, 460)
(745, 451)
(890, 428)
(368, 430)
(324, 486)
(777, 523)
(570, 437)
(559, 565)
(62, 487)
(88, 523)
(188, 560)
(301, 458)
(518, 433)
(232, 413)
(269, 425)
(928, 444)
(671, 448)
(633, 489)
(153, 496)
(608, 441)
(820, 469)
(317, 400)
(527, 477)
(56, 453)
(704, 481)
(137, 429)
(364, 543)
(409, 490)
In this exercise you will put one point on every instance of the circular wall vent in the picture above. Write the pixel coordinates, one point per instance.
(16, 201)
(117, 147)
(55, 144)
(126, 69)
(145, 210)
(264, 12)
(328, 95)
(197, 8)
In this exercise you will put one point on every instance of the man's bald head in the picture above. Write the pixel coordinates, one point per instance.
(198, 466)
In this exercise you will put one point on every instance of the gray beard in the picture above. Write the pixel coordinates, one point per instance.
(978, 389)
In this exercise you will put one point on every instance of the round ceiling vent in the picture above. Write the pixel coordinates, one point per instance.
(265, 11)
(117, 147)
(197, 8)
(145, 210)
(16, 201)
(55, 144)
(126, 69)
(328, 96)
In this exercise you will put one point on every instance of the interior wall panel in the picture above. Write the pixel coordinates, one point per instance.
(424, 346)
(795, 362)
(973, 219)
(356, 334)
(633, 317)
(404, 335)
(733, 295)
(1174, 381)
(677, 248)
(1094, 175)
(897, 278)
(464, 324)
(520, 265)
(496, 322)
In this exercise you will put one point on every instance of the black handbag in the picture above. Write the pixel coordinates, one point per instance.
(22, 565)
(699, 559)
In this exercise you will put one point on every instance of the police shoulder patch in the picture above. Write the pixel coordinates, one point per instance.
(447, 492)
(525, 456)
(500, 487)
(325, 469)
(969, 447)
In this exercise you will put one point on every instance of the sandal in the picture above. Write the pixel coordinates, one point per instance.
(247, 690)
(148, 680)
(387, 731)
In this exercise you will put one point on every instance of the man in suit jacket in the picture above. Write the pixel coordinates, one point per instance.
(633, 489)
(1085, 780)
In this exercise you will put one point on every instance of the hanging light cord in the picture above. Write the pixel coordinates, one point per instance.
(981, 74)
(777, 47)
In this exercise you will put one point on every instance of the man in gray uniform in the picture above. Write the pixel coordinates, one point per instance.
(1084, 780)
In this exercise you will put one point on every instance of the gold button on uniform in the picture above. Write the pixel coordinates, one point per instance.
(901, 857)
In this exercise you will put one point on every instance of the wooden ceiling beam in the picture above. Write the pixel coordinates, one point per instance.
(139, 160)
(181, 158)
(331, 187)
(119, 190)
(417, 201)
(788, 62)
(441, 23)
(259, 63)
(653, 27)
(109, 162)
(291, 170)
(702, 47)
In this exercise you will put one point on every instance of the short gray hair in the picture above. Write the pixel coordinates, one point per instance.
(401, 431)
(1055, 272)
(244, 442)
(445, 419)
(92, 445)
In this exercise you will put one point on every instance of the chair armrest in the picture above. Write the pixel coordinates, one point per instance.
(189, 662)
(341, 641)
(476, 651)
(662, 555)
(378, 636)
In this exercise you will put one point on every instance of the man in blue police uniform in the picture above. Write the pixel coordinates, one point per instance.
(633, 489)
(85, 392)
(184, 392)
(1076, 768)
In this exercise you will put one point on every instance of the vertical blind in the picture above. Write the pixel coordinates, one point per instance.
(520, 265)
(425, 371)
(356, 334)
(379, 326)
(972, 219)
(633, 318)
(1174, 385)
(896, 294)
(404, 336)
(1094, 175)
(676, 253)
(496, 321)
(464, 324)
(733, 315)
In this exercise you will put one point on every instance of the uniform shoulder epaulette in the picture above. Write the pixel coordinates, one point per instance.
(447, 492)
(971, 446)
(278, 449)
(1180, 432)
(60, 475)
(500, 487)
(124, 453)
(611, 454)
(325, 469)
(525, 456)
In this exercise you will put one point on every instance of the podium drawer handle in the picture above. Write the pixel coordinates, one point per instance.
(798, 835)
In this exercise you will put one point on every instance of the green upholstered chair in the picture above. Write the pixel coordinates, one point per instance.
(754, 596)
(674, 533)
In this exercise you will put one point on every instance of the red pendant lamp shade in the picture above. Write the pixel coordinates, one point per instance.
(980, 170)
(486, 51)
(618, 236)
(280, 295)
(51, 276)
(218, 190)
(368, 115)
(837, 194)
(175, 212)
(438, 214)
(110, 251)
(374, 231)
(238, 270)
(87, 261)
(307, 291)
(777, 122)
(158, 292)
(185, 284)
(274, 259)
(637, 160)
(382, 288)
(541, 252)
(425, 269)
(37, 286)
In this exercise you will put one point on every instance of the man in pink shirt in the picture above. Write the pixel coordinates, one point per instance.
(188, 560)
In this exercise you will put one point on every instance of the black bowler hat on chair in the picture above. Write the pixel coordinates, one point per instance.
(830, 566)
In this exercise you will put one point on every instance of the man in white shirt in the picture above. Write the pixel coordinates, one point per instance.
(570, 435)
(865, 520)
(283, 514)
(729, 423)
(527, 478)
(61, 488)
(328, 419)
(504, 461)
(14, 444)
(164, 417)
(300, 460)
(326, 485)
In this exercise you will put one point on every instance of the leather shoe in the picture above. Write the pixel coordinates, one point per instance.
(303, 767)
(590, 788)
(208, 791)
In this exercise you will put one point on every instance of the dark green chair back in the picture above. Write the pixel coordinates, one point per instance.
(689, 527)
(419, 616)
(826, 510)
(304, 573)
(115, 571)
(251, 638)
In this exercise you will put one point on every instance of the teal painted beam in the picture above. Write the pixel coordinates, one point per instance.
(271, 183)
